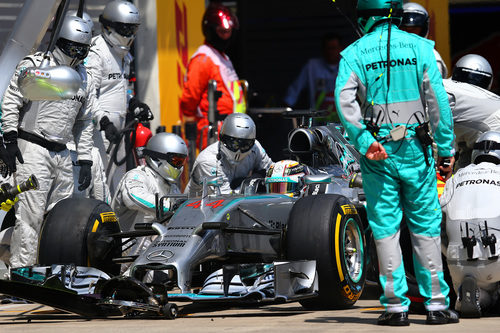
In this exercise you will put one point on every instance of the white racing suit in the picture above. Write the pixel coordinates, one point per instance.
(208, 164)
(134, 200)
(52, 122)
(469, 203)
(441, 65)
(98, 188)
(110, 72)
(475, 111)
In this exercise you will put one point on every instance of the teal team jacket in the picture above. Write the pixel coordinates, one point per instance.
(415, 82)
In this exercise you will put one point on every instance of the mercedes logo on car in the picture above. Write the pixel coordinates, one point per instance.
(160, 255)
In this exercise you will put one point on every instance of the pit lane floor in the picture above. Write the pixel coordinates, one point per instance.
(289, 317)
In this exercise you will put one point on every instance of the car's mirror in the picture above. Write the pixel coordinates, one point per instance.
(214, 181)
(318, 179)
(49, 83)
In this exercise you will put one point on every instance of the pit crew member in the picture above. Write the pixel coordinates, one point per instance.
(109, 63)
(210, 62)
(134, 200)
(475, 109)
(36, 133)
(394, 75)
(236, 156)
(416, 21)
(98, 188)
(473, 228)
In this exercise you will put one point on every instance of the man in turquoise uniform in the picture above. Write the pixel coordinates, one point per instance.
(396, 80)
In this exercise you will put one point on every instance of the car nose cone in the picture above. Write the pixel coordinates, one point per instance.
(160, 255)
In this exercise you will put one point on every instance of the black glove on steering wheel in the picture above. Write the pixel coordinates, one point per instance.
(85, 175)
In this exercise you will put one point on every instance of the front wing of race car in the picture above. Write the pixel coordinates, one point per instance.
(279, 282)
(91, 293)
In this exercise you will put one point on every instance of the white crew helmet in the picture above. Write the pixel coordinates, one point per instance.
(166, 153)
(237, 137)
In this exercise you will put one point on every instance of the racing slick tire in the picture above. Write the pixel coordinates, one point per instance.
(76, 231)
(328, 229)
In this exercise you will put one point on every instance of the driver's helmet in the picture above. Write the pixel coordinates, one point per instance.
(120, 21)
(473, 69)
(286, 177)
(415, 15)
(487, 148)
(372, 12)
(166, 153)
(73, 41)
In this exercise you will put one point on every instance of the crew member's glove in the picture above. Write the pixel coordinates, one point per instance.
(5, 160)
(445, 166)
(139, 110)
(236, 182)
(7, 202)
(109, 129)
(85, 174)
(13, 150)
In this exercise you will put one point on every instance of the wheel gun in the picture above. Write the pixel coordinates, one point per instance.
(10, 192)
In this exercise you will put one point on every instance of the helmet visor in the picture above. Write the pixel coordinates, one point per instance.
(414, 20)
(125, 29)
(235, 144)
(174, 159)
(477, 78)
(281, 187)
(73, 49)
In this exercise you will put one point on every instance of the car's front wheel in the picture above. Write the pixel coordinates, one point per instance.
(76, 231)
(328, 229)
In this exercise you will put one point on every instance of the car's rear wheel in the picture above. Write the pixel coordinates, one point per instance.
(76, 231)
(327, 228)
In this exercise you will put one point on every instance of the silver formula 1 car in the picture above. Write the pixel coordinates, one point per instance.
(251, 247)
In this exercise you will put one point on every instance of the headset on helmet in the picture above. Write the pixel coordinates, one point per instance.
(218, 16)
(487, 148)
(73, 42)
(372, 12)
(120, 21)
(166, 153)
(237, 137)
(286, 177)
(415, 15)
(473, 69)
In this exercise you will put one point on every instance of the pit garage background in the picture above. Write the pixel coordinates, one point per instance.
(275, 39)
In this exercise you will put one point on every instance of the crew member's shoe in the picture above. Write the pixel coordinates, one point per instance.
(441, 317)
(393, 319)
(469, 298)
